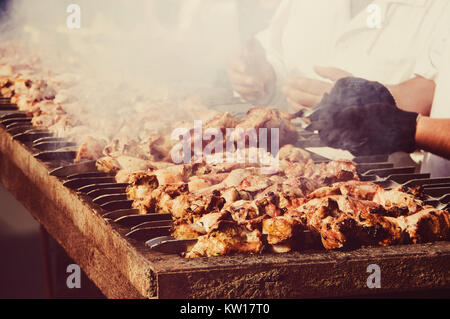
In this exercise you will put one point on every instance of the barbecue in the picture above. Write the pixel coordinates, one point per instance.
(153, 222)
(283, 230)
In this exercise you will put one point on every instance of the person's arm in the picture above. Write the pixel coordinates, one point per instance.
(257, 69)
(433, 135)
(415, 95)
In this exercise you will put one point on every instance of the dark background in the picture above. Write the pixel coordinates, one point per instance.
(3, 5)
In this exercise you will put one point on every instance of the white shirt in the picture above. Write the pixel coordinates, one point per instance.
(307, 33)
(437, 166)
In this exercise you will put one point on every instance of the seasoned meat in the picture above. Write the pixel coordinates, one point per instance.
(108, 165)
(127, 163)
(200, 182)
(427, 225)
(243, 210)
(171, 175)
(255, 183)
(90, 149)
(324, 173)
(186, 229)
(391, 199)
(291, 153)
(140, 190)
(262, 117)
(348, 231)
(282, 228)
(125, 146)
(229, 238)
(356, 189)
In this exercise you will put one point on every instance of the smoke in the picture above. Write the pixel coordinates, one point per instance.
(126, 52)
(150, 39)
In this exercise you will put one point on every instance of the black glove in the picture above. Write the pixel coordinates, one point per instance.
(352, 91)
(372, 125)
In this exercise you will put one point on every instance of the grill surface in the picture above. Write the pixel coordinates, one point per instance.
(86, 212)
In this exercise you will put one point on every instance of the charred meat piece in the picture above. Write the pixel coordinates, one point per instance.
(425, 226)
(163, 198)
(184, 228)
(324, 173)
(227, 239)
(234, 178)
(197, 183)
(243, 211)
(398, 201)
(160, 147)
(294, 154)
(332, 172)
(182, 204)
(356, 189)
(140, 191)
(125, 146)
(364, 229)
(131, 164)
(283, 232)
(345, 222)
(262, 117)
(234, 194)
(171, 175)
(255, 183)
(296, 187)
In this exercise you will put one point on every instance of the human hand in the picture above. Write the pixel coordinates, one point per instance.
(250, 74)
(369, 129)
(302, 92)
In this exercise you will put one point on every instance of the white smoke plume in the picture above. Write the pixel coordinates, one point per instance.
(127, 53)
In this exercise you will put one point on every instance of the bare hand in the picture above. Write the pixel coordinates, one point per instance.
(250, 73)
(304, 92)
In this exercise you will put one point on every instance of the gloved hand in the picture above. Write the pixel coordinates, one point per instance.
(356, 92)
(361, 117)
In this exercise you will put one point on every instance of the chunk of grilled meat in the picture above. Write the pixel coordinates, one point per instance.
(234, 194)
(112, 165)
(90, 149)
(283, 232)
(171, 175)
(346, 222)
(356, 189)
(255, 183)
(324, 173)
(398, 202)
(227, 239)
(140, 191)
(198, 183)
(125, 146)
(348, 231)
(427, 225)
(262, 117)
(160, 147)
(194, 226)
(293, 154)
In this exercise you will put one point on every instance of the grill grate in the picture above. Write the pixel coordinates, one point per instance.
(104, 192)
(108, 198)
